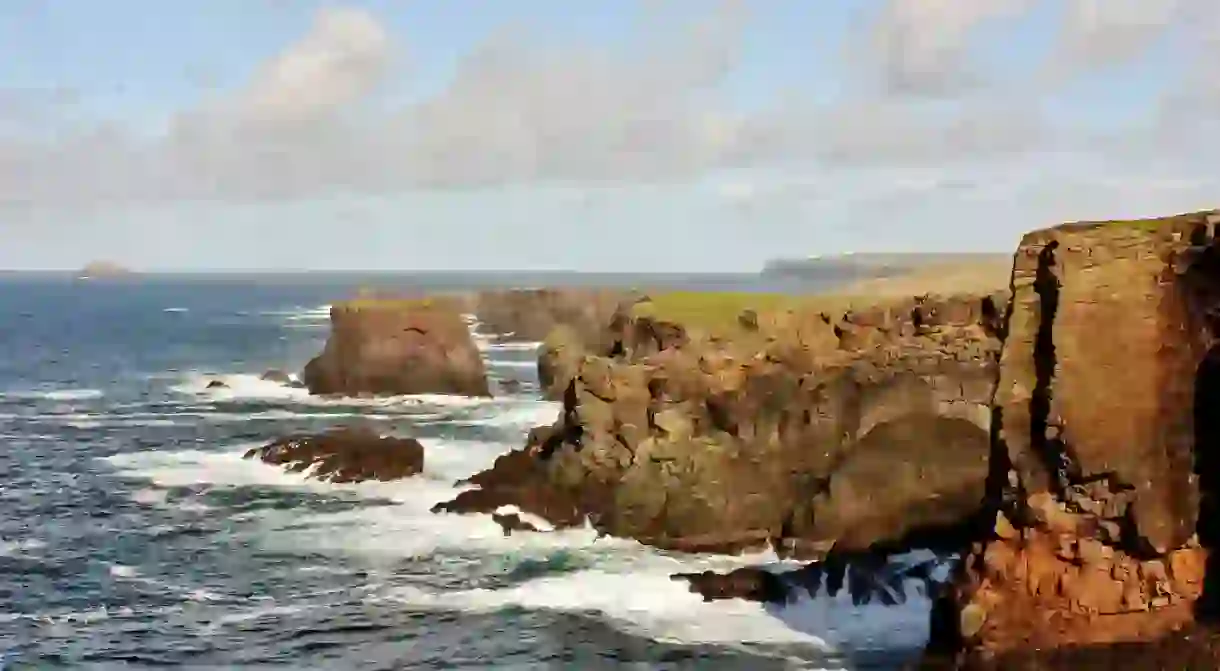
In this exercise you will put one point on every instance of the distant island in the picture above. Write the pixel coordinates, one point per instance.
(102, 269)
(874, 266)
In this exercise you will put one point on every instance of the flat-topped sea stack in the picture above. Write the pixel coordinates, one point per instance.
(398, 346)
(1106, 451)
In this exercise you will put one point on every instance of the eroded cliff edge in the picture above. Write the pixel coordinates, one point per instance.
(805, 428)
(1104, 458)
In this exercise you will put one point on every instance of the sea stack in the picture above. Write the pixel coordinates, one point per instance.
(395, 347)
(1106, 437)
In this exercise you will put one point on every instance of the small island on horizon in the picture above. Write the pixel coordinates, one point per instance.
(102, 269)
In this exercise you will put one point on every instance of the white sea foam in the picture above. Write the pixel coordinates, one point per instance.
(320, 313)
(522, 416)
(53, 394)
(179, 310)
(642, 602)
(247, 387)
(511, 346)
(621, 582)
(9, 548)
(523, 365)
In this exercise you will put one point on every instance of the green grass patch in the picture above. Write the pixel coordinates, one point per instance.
(714, 310)
(1151, 224)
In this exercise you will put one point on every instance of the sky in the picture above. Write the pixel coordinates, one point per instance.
(600, 135)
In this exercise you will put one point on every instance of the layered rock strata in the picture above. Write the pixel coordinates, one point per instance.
(392, 347)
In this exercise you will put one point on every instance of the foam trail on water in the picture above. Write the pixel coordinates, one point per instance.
(510, 346)
(247, 387)
(53, 394)
(644, 603)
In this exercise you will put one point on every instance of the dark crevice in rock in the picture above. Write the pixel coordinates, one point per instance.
(1207, 468)
(1044, 434)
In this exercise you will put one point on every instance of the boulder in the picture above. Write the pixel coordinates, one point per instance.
(344, 455)
(217, 384)
(277, 376)
(392, 347)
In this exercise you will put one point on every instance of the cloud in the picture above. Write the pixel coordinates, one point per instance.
(1105, 33)
(922, 47)
(339, 62)
(308, 122)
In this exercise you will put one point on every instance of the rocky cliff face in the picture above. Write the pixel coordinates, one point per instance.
(804, 430)
(530, 315)
(1105, 442)
(398, 347)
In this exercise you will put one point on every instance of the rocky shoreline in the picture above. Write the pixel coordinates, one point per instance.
(1055, 432)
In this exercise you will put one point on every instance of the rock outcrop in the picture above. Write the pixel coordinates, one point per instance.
(344, 455)
(1104, 466)
(802, 430)
(391, 347)
(530, 315)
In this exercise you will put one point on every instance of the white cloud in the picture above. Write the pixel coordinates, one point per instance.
(922, 46)
(307, 122)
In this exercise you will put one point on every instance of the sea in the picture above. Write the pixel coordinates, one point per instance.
(133, 535)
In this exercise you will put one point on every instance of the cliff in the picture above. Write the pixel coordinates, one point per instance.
(530, 315)
(391, 347)
(1103, 453)
(801, 428)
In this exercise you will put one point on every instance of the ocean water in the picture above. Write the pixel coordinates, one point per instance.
(133, 535)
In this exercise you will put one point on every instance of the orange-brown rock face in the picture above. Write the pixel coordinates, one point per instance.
(1100, 457)
(391, 347)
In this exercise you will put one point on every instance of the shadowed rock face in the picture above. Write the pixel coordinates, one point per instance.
(530, 315)
(345, 455)
(1103, 459)
(797, 434)
(392, 347)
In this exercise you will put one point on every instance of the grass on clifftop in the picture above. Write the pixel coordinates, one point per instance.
(717, 312)
(370, 301)
(714, 309)
(1150, 224)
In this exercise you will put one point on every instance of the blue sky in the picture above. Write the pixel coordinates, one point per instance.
(628, 135)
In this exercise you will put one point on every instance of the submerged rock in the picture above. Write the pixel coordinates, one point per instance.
(277, 376)
(345, 455)
(395, 347)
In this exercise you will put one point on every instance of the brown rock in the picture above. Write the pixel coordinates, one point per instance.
(345, 455)
(750, 584)
(530, 315)
(391, 347)
(1107, 438)
(277, 376)
(703, 444)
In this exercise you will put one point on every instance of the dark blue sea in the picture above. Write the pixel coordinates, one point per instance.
(133, 535)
